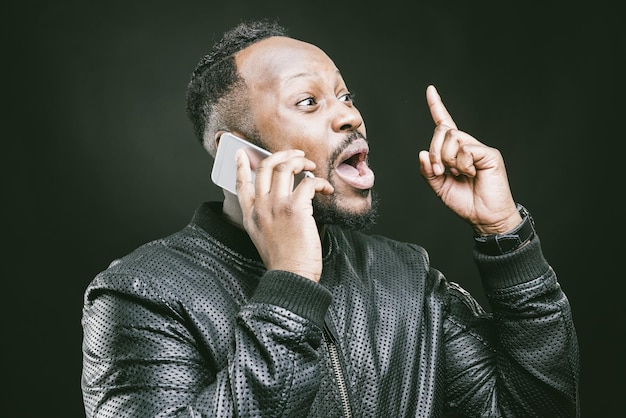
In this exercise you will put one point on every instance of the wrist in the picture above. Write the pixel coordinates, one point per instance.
(504, 243)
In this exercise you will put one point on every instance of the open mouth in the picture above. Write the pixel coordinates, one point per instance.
(353, 168)
(354, 162)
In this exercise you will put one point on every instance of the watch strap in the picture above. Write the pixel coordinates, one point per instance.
(499, 244)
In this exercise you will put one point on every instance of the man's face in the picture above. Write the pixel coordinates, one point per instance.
(299, 100)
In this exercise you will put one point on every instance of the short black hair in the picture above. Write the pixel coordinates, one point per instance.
(216, 75)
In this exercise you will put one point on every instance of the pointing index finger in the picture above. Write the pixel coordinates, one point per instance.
(437, 110)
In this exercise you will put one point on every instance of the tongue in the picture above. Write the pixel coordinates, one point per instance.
(360, 177)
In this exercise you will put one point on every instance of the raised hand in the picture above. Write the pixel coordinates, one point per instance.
(468, 176)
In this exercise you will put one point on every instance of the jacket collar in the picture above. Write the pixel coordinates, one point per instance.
(208, 216)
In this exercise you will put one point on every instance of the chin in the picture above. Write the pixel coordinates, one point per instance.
(355, 213)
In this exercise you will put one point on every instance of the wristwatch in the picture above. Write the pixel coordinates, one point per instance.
(499, 244)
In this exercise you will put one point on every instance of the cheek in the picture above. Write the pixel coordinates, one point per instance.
(314, 146)
(320, 157)
(283, 134)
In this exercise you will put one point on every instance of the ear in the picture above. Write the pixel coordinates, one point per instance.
(217, 137)
(210, 144)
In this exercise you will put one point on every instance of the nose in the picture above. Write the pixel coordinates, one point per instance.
(347, 117)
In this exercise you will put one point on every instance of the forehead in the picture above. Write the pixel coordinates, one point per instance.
(278, 60)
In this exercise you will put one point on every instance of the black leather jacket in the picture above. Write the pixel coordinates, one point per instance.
(193, 325)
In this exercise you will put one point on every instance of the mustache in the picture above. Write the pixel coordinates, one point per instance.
(349, 139)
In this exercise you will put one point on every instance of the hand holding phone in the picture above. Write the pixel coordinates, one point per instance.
(224, 173)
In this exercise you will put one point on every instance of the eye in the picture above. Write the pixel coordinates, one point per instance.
(309, 101)
(347, 97)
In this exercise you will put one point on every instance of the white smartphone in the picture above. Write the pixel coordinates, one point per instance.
(224, 172)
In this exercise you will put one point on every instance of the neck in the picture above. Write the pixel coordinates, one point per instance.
(231, 210)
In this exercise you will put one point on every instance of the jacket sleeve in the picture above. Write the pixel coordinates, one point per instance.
(141, 360)
(522, 358)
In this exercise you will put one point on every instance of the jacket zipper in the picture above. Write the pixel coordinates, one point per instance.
(331, 343)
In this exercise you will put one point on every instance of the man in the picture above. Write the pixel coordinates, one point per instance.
(272, 303)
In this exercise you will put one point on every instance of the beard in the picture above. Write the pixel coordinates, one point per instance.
(327, 212)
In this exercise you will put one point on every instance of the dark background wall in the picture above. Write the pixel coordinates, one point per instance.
(101, 157)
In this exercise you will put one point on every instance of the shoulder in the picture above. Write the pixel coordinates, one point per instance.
(154, 268)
